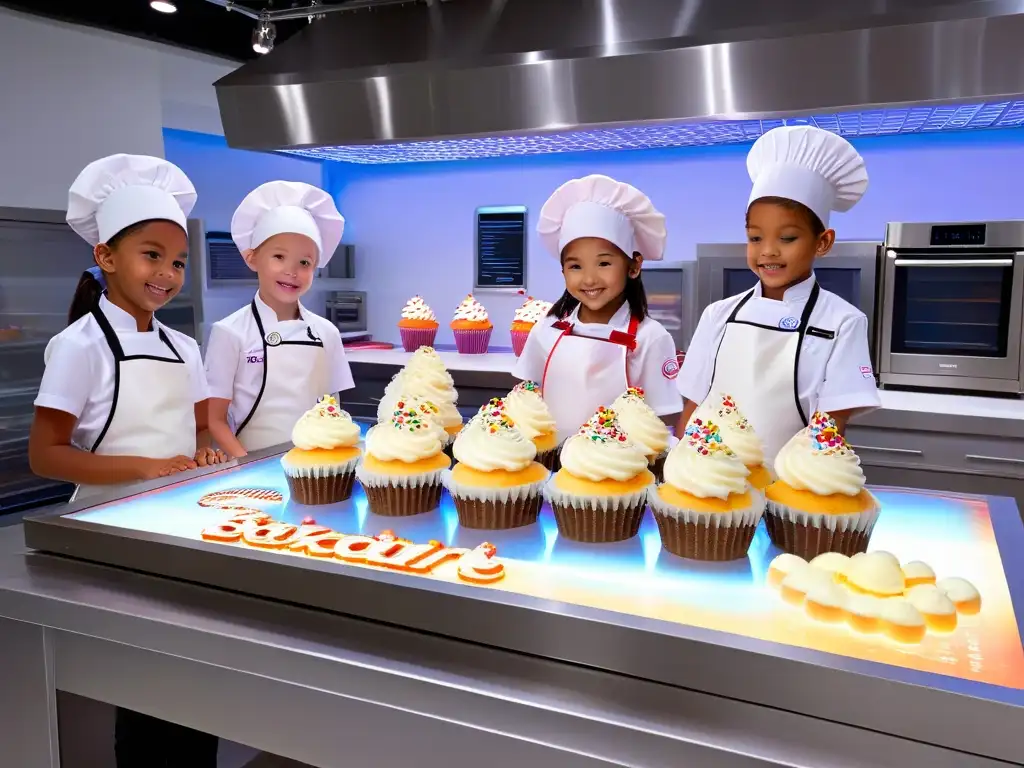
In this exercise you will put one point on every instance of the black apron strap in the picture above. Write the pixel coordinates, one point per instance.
(805, 320)
(115, 348)
(266, 362)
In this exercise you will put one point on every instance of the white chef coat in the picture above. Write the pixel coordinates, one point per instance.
(234, 357)
(79, 374)
(834, 373)
(652, 365)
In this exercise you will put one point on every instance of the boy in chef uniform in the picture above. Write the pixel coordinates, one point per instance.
(123, 396)
(270, 361)
(598, 339)
(786, 348)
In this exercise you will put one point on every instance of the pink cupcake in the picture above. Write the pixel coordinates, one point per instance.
(527, 316)
(472, 327)
(418, 325)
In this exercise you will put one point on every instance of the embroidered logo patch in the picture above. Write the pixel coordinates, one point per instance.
(789, 323)
(670, 368)
(865, 371)
(273, 338)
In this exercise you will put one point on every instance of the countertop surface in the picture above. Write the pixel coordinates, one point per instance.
(911, 402)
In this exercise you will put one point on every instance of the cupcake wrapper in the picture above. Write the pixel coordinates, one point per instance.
(596, 519)
(549, 459)
(397, 501)
(373, 480)
(414, 338)
(658, 467)
(314, 491)
(809, 534)
(519, 341)
(703, 535)
(498, 515)
(326, 471)
(472, 342)
(495, 495)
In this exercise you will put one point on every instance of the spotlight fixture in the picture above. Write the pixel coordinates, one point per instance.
(163, 6)
(263, 36)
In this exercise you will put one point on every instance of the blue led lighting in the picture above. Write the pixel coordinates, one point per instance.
(873, 122)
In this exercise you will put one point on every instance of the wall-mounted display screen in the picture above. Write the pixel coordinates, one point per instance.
(500, 247)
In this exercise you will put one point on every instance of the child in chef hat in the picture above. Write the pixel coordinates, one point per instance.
(599, 339)
(270, 361)
(123, 396)
(787, 347)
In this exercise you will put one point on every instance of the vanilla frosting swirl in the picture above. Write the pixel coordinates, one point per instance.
(325, 426)
(532, 311)
(416, 309)
(737, 432)
(406, 436)
(704, 466)
(490, 441)
(472, 310)
(819, 460)
(447, 414)
(528, 410)
(639, 421)
(601, 451)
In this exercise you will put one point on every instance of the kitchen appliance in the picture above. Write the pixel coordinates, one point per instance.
(951, 306)
(347, 310)
(849, 271)
(670, 288)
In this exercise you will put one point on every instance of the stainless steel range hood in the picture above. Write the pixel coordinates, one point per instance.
(461, 68)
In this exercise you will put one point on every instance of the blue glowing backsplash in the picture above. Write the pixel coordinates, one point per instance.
(873, 122)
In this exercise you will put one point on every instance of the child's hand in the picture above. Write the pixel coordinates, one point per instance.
(207, 457)
(151, 469)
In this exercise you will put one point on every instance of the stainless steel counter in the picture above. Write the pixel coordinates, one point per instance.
(333, 690)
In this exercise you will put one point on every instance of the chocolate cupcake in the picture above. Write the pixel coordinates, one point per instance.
(320, 469)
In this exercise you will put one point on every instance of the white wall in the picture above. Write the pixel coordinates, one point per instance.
(72, 94)
(413, 225)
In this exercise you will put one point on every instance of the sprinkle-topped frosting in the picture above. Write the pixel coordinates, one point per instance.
(325, 426)
(408, 435)
(705, 438)
(529, 411)
(818, 459)
(737, 432)
(602, 451)
(470, 310)
(641, 423)
(424, 376)
(491, 441)
(532, 311)
(416, 309)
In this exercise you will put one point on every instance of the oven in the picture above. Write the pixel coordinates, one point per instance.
(951, 310)
(347, 311)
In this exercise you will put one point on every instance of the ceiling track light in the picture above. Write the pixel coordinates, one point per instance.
(264, 34)
(163, 6)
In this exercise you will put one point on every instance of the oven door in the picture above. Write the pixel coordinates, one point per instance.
(953, 314)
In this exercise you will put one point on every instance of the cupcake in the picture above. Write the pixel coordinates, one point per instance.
(526, 407)
(819, 502)
(321, 467)
(424, 376)
(705, 509)
(495, 483)
(643, 427)
(739, 435)
(527, 316)
(600, 493)
(401, 469)
(418, 325)
(472, 327)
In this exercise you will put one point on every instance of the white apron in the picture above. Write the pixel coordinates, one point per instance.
(294, 378)
(585, 372)
(152, 413)
(757, 364)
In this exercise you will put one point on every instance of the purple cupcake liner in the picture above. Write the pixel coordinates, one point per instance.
(519, 341)
(414, 338)
(472, 342)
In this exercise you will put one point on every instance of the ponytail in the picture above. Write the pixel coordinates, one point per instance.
(87, 294)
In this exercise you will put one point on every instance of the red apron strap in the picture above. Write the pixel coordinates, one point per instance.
(566, 329)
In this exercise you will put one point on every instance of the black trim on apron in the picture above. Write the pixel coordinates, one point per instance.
(315, 342)
(119, 357)
(801, 329)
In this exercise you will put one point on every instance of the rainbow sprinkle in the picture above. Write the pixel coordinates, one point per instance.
(729, 413)
(327, 408)
(634, 393)
(603, 427)
(408, 419)
(492, 414)
(825, 437)
(705, 438)
(527, 386)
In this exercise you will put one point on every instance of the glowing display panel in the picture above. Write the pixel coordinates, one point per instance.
(955, 535)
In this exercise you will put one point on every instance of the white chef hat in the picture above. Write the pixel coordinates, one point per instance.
(121, 190)
(294, 207)
(809, 165)
(599, 206)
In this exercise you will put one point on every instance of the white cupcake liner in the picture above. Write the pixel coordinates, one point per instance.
(326, 470)
(749, 515)
(497, 495)
(381, 479)
(857, 522)
(606, 503)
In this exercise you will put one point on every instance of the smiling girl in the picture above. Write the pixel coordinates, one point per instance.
(270, 361)
(598, 339)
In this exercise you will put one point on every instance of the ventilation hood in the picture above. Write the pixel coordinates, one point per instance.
(476, 78)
